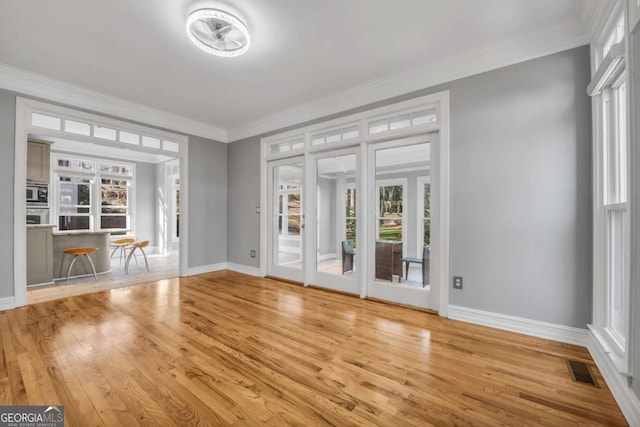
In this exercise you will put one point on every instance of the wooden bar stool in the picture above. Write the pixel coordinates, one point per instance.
(133, 246)
(77, 252)
(121, 244)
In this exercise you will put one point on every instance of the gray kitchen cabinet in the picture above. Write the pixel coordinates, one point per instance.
(39, 255)
(38, 159)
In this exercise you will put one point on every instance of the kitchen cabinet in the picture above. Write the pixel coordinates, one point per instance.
(39, 254)
(38, 159)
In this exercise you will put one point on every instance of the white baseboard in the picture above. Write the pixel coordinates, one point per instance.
(7, 303)
(193, 271)
(244, 269)
(327, 256)
(289, 249)
(617, 383)
(535, 328)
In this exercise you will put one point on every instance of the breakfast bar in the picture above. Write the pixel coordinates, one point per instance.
(63, 240)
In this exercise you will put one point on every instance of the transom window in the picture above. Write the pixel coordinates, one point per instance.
(116, 135)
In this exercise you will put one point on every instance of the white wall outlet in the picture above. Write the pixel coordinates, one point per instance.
(457, 282)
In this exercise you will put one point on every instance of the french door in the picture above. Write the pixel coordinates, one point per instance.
(404, 232)
(286, 219)
(336, 246)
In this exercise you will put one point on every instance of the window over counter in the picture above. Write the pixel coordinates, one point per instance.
(91, 194)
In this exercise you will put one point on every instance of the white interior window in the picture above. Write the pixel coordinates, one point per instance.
(93, 194)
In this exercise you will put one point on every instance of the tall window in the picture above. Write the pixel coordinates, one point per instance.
(350, 215)
(390, 209)
(177, 195)
(424, 212)
(75, 203)
(616, 208)
(612, 231)
(289, 212)
(115, 203)
(93, 194)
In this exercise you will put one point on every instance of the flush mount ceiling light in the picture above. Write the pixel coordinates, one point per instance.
(217, 32)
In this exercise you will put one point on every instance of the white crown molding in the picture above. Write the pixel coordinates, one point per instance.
(530, 46)
(597, 14)
(625, 398)
(534, 328)
(35, 85)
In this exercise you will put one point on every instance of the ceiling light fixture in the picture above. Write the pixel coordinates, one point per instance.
(218, 33)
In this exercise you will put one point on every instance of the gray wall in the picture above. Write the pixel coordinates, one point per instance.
(146, 206)
(207, 202)
(327, 217)
(520, 189)
(244, 196)
(7, 137)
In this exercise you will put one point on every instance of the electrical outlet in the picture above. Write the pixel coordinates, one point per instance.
(252, 253)
(457, 282)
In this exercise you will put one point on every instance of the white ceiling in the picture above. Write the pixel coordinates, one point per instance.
(303, 53)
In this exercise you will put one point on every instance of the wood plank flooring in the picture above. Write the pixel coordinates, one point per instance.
(229, 349)
(160, 266)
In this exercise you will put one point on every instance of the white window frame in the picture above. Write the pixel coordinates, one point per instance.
(437, 297)
(610, 53)
(55, 206)
(284, 193)
(174, 208)
(96, 177)
(420, 182)
(348, 187)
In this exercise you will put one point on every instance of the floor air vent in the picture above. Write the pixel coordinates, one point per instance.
(580, 373)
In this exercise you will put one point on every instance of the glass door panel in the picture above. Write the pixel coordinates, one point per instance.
(402, 214)
(336, 211)
(286, 219)
(424, 225)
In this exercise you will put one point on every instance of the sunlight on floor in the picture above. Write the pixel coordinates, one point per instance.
(160, 266)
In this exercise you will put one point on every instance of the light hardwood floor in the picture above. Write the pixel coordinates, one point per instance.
(160, 267)
(229, 349)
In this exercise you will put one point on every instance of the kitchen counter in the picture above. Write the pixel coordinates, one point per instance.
(85, 232)
(81, 238)
(39, 254)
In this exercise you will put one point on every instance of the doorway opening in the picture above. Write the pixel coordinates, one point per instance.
(107, 180)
